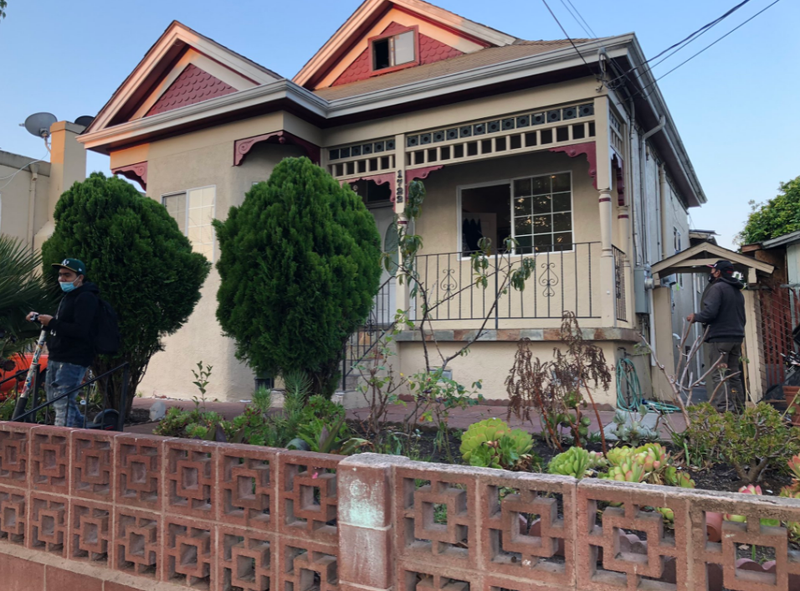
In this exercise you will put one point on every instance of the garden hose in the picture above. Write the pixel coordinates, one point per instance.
(627, 376)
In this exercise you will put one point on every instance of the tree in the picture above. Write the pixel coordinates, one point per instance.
(3, 4)
(22, 289)
(777, 217)
(300, 265)
(140, 260)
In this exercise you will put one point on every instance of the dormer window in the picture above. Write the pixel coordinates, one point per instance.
(395, 51)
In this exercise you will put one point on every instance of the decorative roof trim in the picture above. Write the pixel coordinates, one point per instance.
(242, 147)
(328, 53)
(160, 57)
(134, 172)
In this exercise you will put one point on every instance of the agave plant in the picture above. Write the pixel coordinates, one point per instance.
(22, 289)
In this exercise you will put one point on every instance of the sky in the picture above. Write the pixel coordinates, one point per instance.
(735, 106)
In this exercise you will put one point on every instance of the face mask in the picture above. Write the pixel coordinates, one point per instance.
(67, 287)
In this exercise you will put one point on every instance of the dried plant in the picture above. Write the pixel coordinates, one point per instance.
(554, 390)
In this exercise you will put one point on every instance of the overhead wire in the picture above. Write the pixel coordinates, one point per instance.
(583, 19)
(683, 42)
(575, 18)
(563, 30)
(16, 172)
(709, 46)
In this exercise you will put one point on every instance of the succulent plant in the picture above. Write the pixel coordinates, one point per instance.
(629, 470)
(618, 455)
(674, 478)
(573, 462)
(653, 456)
(794, 466)
(750, 489)
(492, 444)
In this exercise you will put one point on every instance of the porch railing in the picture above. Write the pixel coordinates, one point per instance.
(563, 280)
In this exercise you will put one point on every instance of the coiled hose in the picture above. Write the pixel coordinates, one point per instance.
(628, 382)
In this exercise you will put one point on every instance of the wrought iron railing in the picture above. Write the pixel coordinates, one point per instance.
(562, 280)
(621, 302)
(21, 414)
(380, 320)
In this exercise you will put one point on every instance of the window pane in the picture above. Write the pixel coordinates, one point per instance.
(201, 214)
(560, 182)
(542, 242)
(525, 244)
(540, 185)
(522, 206)
(176, 207)
(380, 54)
(522, 226)
(561, 202)
(541, 224)
(541, 204)
(564, 240)
(562, 222)
(522, 187)
(404, 48)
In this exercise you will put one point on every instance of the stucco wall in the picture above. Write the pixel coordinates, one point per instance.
(178, 166)
(491, 363)
(16, 193)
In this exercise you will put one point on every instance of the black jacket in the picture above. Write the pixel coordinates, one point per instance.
(723, 311)
(71, 330)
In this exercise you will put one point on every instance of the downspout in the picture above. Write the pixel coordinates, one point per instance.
(662, 183)
(32, 201)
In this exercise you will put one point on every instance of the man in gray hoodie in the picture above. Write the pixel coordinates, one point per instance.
(723, 313)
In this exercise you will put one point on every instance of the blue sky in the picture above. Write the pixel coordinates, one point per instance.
(736, 105)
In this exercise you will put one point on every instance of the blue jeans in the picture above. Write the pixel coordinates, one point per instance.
(61, 378)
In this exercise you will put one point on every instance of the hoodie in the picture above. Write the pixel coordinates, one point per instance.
(723, 311)
(72, 329)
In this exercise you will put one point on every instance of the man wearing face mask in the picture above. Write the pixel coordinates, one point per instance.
(70, 344)
(723, 312)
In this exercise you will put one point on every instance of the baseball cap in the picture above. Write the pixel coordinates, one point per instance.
(73, 265)
(723, 266)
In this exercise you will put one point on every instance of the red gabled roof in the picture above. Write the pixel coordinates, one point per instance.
(430, 50)
(192, 86)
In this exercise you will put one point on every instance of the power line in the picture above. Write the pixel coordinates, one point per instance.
(709, 46)
(575, 47)
(683, 42)
(575, 18)
(583, 19)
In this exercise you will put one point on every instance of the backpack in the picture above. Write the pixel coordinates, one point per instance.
(106, 330)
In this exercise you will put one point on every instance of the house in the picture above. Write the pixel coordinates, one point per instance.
(569, 149)
(30, 188)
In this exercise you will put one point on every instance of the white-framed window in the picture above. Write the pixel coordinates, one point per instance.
(194, 212)
(394, 50)
(536, 211)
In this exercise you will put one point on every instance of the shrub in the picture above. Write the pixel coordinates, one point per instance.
(751, 442)
(300, 265)
(142, 263)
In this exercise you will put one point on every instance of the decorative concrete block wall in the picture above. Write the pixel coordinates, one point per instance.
(88, 511)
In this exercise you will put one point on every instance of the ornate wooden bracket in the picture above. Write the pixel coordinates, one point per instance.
(135, 172)
(242, 147)
(392, 177)
(587, 148)
(378, 179)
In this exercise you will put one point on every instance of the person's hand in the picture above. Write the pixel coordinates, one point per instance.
(44, 319)
(690, 318)
(30, 316)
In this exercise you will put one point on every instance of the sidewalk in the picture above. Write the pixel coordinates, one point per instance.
(459, 418)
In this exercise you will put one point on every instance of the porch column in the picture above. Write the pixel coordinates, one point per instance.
(752, 352)
(603, 151)
(401, 291)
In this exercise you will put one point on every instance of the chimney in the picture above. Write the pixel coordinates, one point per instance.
(67, 165)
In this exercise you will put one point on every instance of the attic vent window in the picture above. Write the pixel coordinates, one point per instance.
(394, 51)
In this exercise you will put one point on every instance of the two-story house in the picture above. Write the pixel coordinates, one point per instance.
(569, 149)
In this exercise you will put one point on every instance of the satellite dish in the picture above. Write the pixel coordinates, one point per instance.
(39, 124)
(85, 120)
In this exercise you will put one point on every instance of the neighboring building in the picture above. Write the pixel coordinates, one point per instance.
(29, 189)
(513, 138)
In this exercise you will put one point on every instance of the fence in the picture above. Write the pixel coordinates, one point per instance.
(780, 313)
(562, 280)
(126, 511)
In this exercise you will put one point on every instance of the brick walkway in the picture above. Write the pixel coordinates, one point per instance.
(459, 419)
